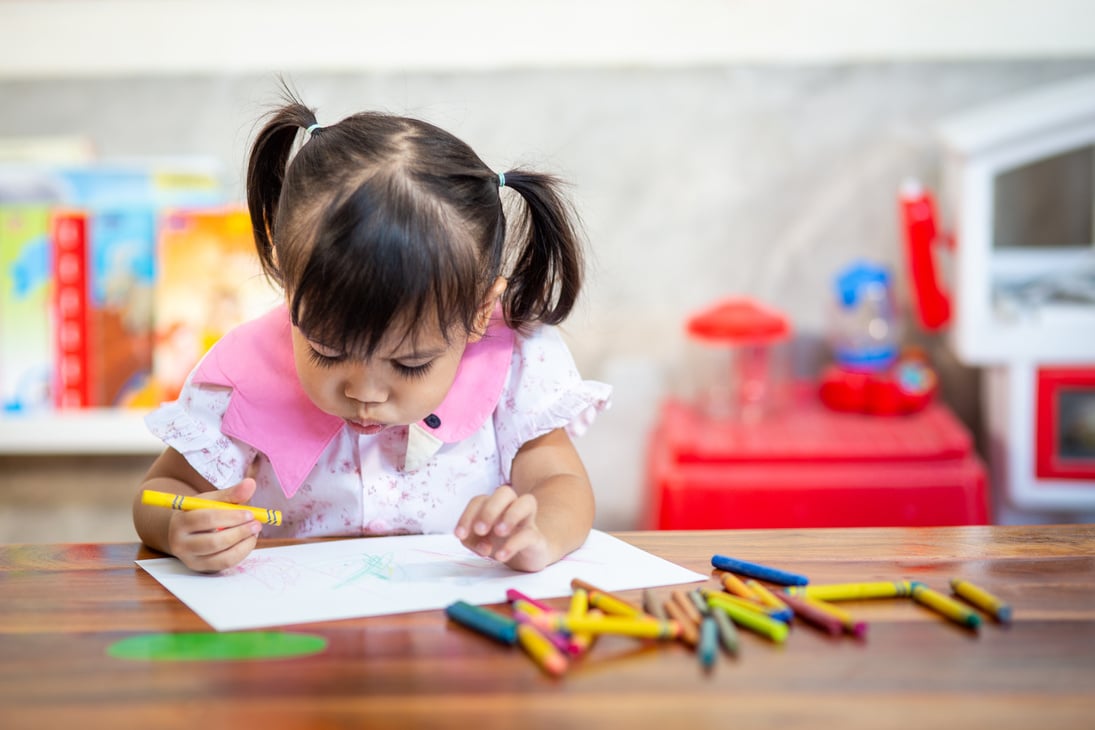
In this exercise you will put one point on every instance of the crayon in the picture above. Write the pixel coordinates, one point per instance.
(765, 596)
(653, 606)
(981, 598)
(689, 630)
(686, 605)
(815, 616)
(750, 619)
(948, 607)
(728, 634)
(184, 503)
(486, 622)
(579, 607)
(642, 628)
(541, 649)
(696, 596)
(735, 585)
(523, 611)
(858, 629)
(709, 642)
(606, 601)
(854, 591)
(760, 572)
(513, 595)
(783, 614)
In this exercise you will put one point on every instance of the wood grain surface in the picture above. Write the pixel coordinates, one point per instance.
(62, 606)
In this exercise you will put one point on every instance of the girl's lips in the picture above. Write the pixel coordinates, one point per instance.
(365, 429)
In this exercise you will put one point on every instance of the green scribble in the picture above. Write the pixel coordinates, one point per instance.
(377, 566)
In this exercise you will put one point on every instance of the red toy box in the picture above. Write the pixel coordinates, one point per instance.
(812, 467)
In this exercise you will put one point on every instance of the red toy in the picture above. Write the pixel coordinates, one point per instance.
(906, 387)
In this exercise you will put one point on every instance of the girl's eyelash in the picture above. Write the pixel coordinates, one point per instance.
(322, 360)
(413, 371)
(407, 371)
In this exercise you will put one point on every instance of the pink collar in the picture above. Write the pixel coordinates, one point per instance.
(269, 410)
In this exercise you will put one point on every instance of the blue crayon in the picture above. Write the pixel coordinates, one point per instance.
(709, 641)
(488, 623)
(760, 572)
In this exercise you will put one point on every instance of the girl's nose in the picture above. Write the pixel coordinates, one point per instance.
(364, 386)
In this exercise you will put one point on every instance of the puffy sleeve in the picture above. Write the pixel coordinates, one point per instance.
(543, 392)
(192, 426)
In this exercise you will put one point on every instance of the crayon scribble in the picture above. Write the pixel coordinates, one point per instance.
(377, 566)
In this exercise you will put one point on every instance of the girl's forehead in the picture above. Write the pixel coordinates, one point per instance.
(402, 336)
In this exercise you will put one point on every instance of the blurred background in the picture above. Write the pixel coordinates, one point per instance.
(714, 149)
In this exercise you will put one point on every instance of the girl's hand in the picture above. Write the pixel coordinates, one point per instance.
(210, 540)
(503, 526)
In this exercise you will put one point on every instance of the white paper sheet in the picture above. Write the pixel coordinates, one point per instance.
(337, 579)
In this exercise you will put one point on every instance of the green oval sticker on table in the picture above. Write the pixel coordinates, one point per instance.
(212, 646)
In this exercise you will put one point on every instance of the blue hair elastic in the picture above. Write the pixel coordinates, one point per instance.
(313, 127)
(501, 179)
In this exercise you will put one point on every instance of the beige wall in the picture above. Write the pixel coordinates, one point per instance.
(693, 183)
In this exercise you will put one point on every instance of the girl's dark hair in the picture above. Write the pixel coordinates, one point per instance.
(380, 221)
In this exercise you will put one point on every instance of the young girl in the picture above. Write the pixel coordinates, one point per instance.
(412, 382)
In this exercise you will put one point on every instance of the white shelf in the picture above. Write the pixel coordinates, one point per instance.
(91, 431)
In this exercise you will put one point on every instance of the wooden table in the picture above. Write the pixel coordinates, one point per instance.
(62, 606)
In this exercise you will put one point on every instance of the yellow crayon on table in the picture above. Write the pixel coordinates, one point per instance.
(765, 596)
(606, 601)
(642, 628)
(948, 607)
(579, 607)
(542, 651)
(981, 598)
(854, 591)
(186, 503)
(748, 618)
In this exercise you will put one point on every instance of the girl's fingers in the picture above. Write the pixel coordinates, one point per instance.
(471, 512)
(492, 509)
(227, 558)
(520, 511)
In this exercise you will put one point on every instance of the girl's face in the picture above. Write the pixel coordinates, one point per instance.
(404, 382)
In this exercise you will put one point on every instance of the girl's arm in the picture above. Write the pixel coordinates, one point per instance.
(544, 514)
(205, 540)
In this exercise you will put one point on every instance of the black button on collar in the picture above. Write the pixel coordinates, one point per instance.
(432, 420)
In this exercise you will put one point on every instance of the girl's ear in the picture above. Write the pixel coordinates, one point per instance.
(486, 309)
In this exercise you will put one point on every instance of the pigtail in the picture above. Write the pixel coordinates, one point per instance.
(266, 174)
(546, 263)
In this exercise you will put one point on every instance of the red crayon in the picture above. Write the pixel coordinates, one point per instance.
(814, 615)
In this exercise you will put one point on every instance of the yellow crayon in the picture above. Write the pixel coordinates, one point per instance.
(180, 502)
(853, 591)
(982, 599)
(643, 628)
(765, 596)
(579, 607)
(750, 619)
(542, 651)
(948, 607)
(607, 602)
(612, 605)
